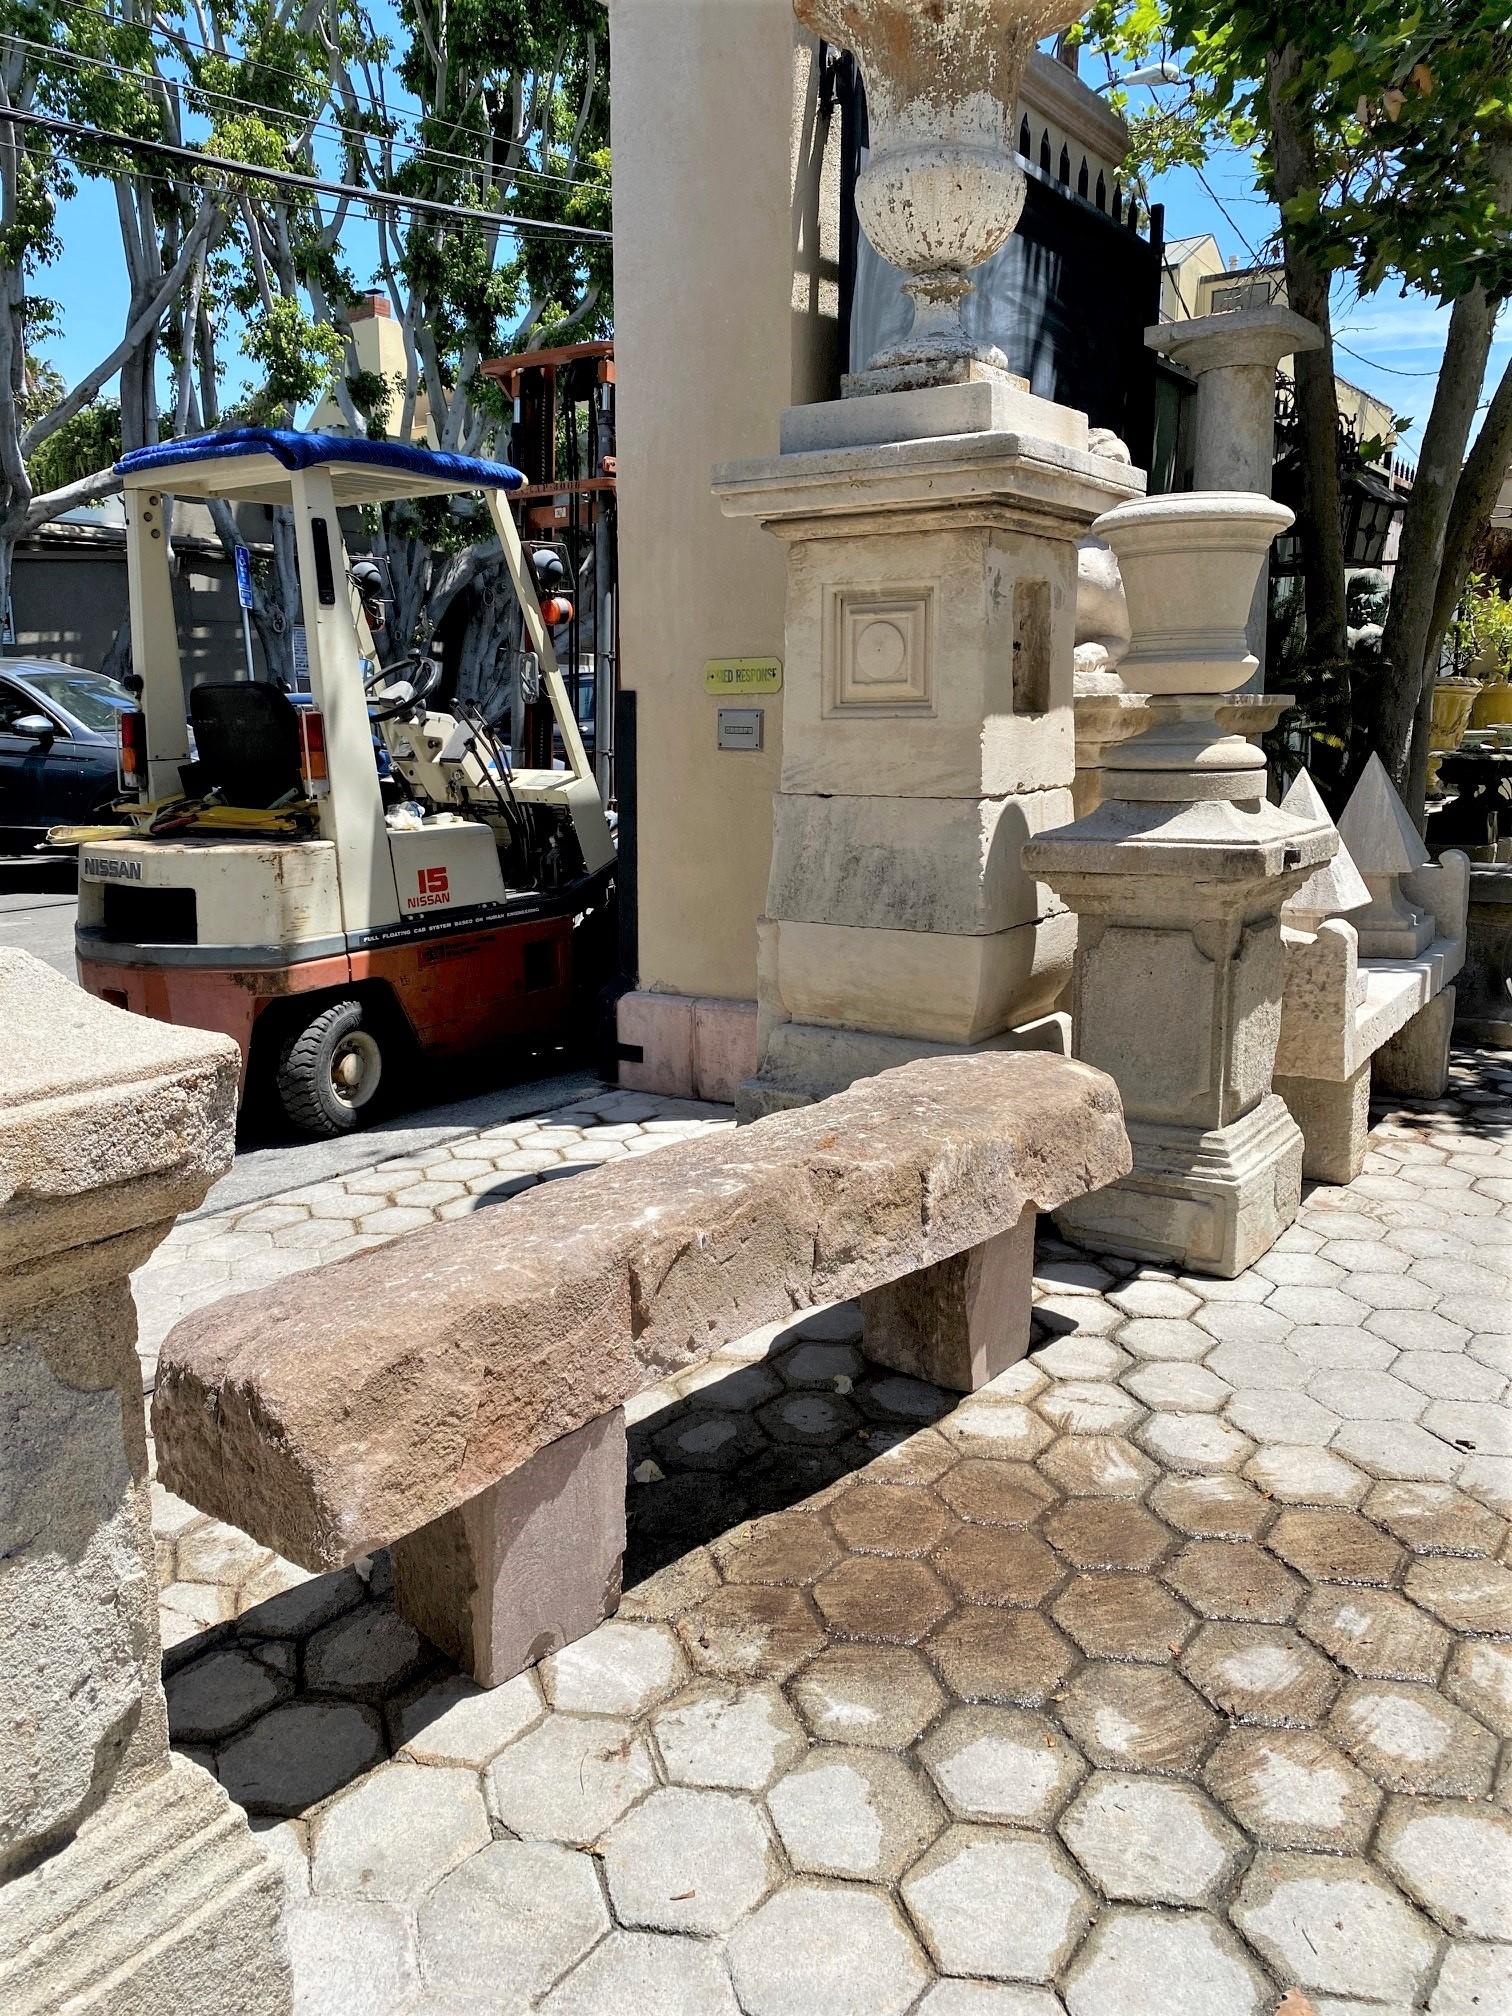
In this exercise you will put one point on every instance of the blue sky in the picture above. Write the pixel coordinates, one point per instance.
(1400, 342)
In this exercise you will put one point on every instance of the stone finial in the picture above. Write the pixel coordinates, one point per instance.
(1335, 887)
(1385, 845)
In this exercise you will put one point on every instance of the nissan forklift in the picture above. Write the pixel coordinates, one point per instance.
(349, 879)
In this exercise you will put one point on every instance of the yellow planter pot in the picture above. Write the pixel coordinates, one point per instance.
(1452, 701)
(1492, 707)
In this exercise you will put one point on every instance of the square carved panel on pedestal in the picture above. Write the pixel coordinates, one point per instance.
(879, 652)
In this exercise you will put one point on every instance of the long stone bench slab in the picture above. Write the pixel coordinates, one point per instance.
(459, 1392)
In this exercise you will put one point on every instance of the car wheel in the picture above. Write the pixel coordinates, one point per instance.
(329, 1070)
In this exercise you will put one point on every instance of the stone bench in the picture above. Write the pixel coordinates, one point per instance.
(458, 1395)
(1347, 1020)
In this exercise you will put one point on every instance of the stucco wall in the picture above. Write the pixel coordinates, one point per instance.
(725, 313)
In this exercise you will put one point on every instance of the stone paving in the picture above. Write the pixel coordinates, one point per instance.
(1172, 1673)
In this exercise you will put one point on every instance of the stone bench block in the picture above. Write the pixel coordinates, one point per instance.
(961, 1322)
(350, 1407)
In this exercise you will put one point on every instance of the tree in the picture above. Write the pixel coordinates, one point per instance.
(1384, 137)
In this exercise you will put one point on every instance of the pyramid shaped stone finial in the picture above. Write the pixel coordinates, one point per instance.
(1381, 838)
(1335, 887)
(1385, 845)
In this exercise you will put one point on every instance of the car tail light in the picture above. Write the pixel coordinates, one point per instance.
(312, 753)
(131, 747)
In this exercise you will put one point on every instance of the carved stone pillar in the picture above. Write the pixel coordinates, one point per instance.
(128, 1882)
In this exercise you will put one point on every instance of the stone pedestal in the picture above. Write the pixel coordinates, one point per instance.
(529, 1565)
(961, 1322)
(1233, 357)
(128, 1886)
(1484, 1009)
(1177, 880)
(927, 725)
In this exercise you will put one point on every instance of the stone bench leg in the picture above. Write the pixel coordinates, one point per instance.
(1334, 1115)
(960, 1322)
(527, 1566)
(1415, 1062)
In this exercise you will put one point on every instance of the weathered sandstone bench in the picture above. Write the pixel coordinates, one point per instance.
(458, 1395)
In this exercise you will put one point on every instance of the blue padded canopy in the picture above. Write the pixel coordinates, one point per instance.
(364, 472)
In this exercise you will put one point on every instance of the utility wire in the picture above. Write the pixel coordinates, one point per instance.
(313, 185)
(365, 100)
(419, 151)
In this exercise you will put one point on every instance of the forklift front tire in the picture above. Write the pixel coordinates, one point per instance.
(328, 1070)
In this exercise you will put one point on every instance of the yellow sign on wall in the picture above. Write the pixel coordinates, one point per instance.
(743, 675)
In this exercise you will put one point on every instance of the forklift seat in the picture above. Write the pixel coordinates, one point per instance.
(247, 737)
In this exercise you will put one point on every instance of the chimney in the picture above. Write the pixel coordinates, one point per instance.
(367, 306)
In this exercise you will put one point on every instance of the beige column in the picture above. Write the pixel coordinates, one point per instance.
(128, 1882)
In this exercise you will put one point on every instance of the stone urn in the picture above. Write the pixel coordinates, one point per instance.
(1453, 700)
(1190, 565)
(942, 189)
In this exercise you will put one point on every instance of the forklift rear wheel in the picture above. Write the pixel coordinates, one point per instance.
(329, 1070)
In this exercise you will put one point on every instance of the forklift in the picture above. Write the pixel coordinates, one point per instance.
(350, 879)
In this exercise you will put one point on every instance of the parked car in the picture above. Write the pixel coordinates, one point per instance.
(57, 746)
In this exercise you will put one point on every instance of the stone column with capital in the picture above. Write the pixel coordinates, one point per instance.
(129, 1884)
(1177, 879)
(1234, 357)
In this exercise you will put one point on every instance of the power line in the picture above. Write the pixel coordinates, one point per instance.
(419, 151)
(313, 185)
(365, 100)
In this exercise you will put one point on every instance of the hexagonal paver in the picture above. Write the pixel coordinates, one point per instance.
(219, 1694)
(1397, 1449)
(902, 1399)
(1212, 1508)
(1154, 1339)
(1172, 1387)
(569, 1778)
(1474, 1596)
(853, 1813)
(878, 1695)
(996, 1564)
(708, 1438)
(1411, 1740)
(1097, 1466)
(734, 1739)
(1152, 1296)
(644, 1970)
(1436, 1519)
(622, 1668)
(830, 1951)
(457, 1722)
(888, 1519)
(390, 1837)
(688, 1861)
(1366, 1396)
(885, 1601)
(1335, 1926)
(1150, 1840)
(1245, 1323)
(995, 1494)
(1443, 1375)
(366, 1654)
(1261, 1673)
(1081, 1356)
(1374, 1634)
(1000, 1655)
(1321, 1347)
(814, 1363)
(1195, 1442)
(1122, 1617)
(298, 1754)
(1303, 1474)
(518, 1911)
(1106, 1533)
(751, 1633)
(1162, 1963)
(1329, 1544)
(1455, 1861)
(1002, 1430)
(1004, 1906)
(989, 1998)
(785, 1549)
(1137, 1718)
(1472, 1980)
(902, 1456)
(1235, 1581)
(1089, 1407)
(1274, 1416)
(1290, 1788)
(1001, 1764)
(1480, 1679)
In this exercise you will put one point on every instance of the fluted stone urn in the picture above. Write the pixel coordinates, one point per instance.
(942, 189)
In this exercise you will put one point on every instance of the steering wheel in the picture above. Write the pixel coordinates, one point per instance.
(417, 690)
